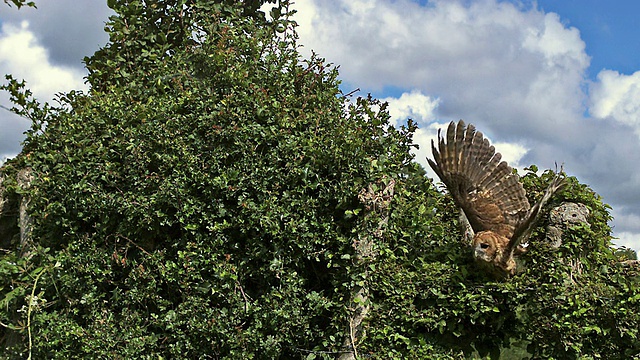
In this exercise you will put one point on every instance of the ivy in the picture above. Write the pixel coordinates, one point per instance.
(202, 201)
(432, 302)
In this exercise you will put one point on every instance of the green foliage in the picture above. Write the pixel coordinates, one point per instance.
(20, 3)
(625, 253)
(432, 302)
(201, 201)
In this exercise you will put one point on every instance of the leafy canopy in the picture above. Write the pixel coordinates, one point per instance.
(201, 200)
(202, 197)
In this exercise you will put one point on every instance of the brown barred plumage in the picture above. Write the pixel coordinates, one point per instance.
(489, 193)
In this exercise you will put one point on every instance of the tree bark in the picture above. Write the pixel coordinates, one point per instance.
(15, 222)
(377, 205)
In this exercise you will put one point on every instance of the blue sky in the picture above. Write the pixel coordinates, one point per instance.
(609, 28)
(547, 81)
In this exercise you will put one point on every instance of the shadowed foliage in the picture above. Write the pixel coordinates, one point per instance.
(202, 201)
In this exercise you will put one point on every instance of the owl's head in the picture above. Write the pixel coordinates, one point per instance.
(488, 247)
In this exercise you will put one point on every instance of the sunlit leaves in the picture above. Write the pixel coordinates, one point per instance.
(202, 201)
(202, 198)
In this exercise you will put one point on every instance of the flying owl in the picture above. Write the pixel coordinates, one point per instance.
(494, 205)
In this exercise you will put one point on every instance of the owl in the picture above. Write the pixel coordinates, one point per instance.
(493, 202)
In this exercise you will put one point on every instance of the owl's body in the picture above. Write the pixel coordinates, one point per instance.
(489, 193)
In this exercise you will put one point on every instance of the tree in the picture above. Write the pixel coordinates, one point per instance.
(202, 198)
(215, 195)
(431, 300)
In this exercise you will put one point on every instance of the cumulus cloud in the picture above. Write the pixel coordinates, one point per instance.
(24, 57)
(513, 73)
(422, 109)
(517, 73)
(627, 239)
(512, 153)
(616, 97)
(45, 46)
(488, 56)
(412, 105)
(68, 29)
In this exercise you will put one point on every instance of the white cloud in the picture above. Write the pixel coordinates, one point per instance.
(626, 227)
(628, 240)
(414, 105)
(68, 29)
(22, 56)
(617, 97)
(489, 62)
(423, 137)
(25, 58)
(559, 45)
(518, 74)
(422, 109)
(512, 153)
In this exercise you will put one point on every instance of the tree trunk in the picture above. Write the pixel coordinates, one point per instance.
(377, 206)
(15, 222)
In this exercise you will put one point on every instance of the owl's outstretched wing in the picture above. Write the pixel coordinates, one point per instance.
(525, 227)
(482, 185)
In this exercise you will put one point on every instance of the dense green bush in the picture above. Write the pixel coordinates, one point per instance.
(201, 201)
(574, 302)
